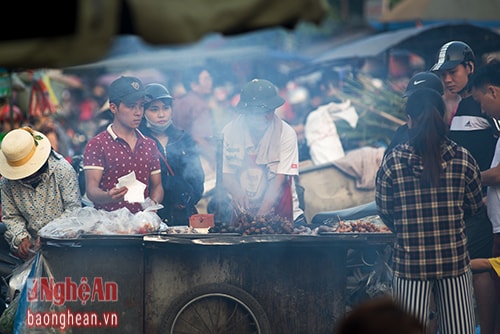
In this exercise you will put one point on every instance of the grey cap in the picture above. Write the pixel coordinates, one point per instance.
(127, 90)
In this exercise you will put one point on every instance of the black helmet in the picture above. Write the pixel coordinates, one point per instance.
(156, 91)
(424, 80)
(259, 96)
(453, 54)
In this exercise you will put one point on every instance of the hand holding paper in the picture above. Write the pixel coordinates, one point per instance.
(135, 193)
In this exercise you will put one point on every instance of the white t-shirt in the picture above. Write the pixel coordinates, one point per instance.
(288, 157)
(321, 132)
(254, 178)
(493, 198)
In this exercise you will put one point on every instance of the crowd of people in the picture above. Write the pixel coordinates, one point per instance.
(430, 188)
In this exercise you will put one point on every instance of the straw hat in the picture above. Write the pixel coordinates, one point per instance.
(23, 152)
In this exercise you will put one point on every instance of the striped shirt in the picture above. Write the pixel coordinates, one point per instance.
(428, 221)
(472, 129)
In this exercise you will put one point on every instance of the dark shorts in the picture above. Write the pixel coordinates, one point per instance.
(496, 245)
(496, 253)
(479, 236)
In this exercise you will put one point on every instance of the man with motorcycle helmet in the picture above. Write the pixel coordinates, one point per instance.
(476, 131)
(260, 155)
(469, 127)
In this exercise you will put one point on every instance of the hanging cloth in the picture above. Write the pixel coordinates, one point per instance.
(42, 98)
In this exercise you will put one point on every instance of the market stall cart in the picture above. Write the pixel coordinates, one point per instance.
(199, 283)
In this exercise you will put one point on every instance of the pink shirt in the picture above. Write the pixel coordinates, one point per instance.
(192, 114)
(113, 155)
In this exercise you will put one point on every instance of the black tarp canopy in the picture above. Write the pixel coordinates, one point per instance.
(424, 41)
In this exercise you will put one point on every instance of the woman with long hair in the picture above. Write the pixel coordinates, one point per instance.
(425, 189)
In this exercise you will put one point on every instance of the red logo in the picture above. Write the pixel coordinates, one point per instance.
(294, 165)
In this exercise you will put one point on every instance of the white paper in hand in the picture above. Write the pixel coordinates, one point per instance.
(135, 193)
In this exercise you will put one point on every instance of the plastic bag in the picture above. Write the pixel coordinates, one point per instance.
(91, 221)
(145, 222)
(378, 281)
(8, 316)
(150, 205)
(16, 284)
(19, 276)
(29, 301)
(19, 324)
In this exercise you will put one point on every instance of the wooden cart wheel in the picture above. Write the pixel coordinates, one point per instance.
(215, 308)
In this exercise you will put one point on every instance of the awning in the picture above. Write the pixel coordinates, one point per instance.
(424, 41)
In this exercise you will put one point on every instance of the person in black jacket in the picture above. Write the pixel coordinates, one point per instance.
(182, 174)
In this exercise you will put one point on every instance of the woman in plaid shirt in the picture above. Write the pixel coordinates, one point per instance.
(425, 189)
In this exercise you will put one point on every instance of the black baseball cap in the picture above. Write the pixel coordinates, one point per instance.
(424, 80)
(127, 90)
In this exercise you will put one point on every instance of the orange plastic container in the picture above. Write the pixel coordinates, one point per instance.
(201, 220)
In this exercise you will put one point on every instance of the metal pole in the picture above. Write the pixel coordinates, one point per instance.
(218, 178)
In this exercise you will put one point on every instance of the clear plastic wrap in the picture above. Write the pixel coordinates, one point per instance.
(88, 220)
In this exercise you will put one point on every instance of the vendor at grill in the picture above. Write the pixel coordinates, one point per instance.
(260, 155)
